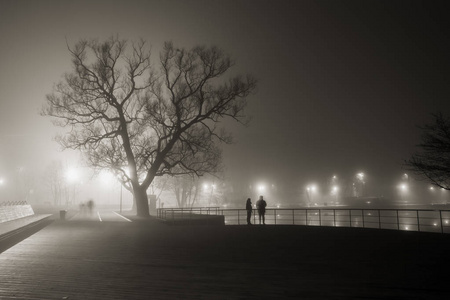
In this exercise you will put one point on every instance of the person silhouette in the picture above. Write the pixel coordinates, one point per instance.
(90, 205)
(248, 207)
(261, 207)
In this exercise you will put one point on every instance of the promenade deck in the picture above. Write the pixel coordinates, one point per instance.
(89, 259)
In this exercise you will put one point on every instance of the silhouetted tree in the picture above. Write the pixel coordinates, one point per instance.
(54, 181)
(141, 119)
(185, 189)
(432, 163)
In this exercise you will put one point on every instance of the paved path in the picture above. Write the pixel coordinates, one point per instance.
(89, 259)
(100, 215)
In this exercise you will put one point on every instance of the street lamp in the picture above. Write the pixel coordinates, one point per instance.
(206, 187)
(335, 191)
(403, 190)
(310, 190)
(360, 177)
(261, 188)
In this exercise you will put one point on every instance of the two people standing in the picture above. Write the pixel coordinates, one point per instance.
(260, 207)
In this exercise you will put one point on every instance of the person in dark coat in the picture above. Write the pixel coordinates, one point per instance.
(249, 208)
(261, 207)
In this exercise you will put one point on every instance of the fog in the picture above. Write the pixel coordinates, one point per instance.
(341, 91)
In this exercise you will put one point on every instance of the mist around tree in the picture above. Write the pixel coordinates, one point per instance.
(142, 118)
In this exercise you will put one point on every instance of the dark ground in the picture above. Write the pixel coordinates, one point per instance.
(82, 259)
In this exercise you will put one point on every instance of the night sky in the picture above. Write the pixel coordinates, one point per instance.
(343, 85)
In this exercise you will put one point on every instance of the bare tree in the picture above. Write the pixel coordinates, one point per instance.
(141, 119)
(432, 163)
(24, 182)
(54, 181)
(185, 189)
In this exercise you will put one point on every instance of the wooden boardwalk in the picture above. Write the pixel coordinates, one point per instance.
(89, 259)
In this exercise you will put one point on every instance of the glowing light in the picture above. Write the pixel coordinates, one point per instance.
(72, 175)
(2, 181)
(434, 224)
(311, 188)
(406, 227)
(403, 187)
(261, 188)
(431, 188)
(446, 221)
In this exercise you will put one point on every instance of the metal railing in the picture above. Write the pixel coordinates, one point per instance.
(396, 219)
(172, 213)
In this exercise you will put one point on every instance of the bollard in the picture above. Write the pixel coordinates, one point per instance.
(62, 214)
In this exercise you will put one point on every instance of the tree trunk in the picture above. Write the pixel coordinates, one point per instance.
(142, 208)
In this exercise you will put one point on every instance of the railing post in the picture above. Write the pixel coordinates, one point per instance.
(350, 213)
(306, 222)
(275, 215)
(334, 217)
(398, 221)
(364, 223)
(442, 224)
(239, 222)
(379, 219)
(293, 217)
(418, 221)
(320, 217)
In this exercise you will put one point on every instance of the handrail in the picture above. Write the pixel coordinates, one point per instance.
(426, 220)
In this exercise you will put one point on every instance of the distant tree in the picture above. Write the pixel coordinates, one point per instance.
(24, 182)
(186, 189)
(432, 162)
(54, 181)
(140, 119)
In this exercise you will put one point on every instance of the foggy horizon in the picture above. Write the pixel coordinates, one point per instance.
(342, 86)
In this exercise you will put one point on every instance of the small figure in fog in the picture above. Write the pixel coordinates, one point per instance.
(90, 205)
(261, 207)
(249, 208)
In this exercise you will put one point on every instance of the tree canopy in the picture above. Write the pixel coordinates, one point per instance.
(432, 162)
(142, 119)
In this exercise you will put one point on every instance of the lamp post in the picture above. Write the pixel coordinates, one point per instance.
(261, 189)
(310, 190)
(335, 191)
(205, 188)
(72, 176)
(120, 198)
(360, 177)
(403, 190)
